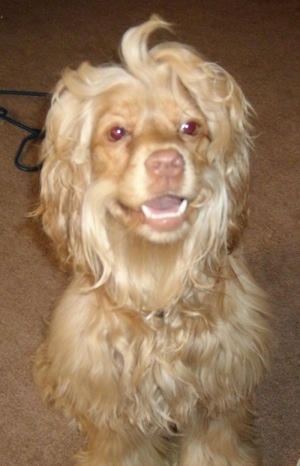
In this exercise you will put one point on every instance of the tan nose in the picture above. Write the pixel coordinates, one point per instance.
(165, 163)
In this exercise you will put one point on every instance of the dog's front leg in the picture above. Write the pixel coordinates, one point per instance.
(223, 440)
(126, 447)
(80, 368)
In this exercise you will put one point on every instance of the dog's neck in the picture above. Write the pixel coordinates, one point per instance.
(152, 277)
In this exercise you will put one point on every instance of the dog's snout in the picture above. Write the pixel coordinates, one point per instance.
(165, 163)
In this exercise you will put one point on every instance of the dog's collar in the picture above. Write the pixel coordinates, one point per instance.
(160, 314)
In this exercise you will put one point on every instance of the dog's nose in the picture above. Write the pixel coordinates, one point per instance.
(165, 163)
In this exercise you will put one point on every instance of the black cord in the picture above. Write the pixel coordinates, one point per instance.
(26, 93)
(35, 133)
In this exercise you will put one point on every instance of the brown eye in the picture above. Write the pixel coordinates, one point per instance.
(117, 133)
(190, 128)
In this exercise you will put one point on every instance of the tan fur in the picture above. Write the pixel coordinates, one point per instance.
(160, 339)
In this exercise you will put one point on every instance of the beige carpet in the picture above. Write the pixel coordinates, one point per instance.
(258, 42)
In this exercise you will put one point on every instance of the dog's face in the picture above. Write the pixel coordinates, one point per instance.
(157, 148)
(150, 147)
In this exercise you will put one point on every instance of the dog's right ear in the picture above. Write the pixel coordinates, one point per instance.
(66, 166)
(66, 176)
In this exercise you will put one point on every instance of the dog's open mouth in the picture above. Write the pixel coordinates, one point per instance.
(165, 212)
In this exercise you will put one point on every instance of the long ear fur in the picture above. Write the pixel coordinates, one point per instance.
(230, 147)
(66, 173)
(66, 169)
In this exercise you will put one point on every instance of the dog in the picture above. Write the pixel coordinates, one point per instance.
(161, 337)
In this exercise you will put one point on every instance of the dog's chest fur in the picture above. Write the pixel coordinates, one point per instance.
(155, 364)
(157, 370)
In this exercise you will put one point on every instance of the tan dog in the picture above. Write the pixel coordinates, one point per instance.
(160, 339)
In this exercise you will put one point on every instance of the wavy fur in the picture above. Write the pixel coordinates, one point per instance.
(159, 341)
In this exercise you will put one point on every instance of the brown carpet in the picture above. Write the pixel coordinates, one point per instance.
(258, 42)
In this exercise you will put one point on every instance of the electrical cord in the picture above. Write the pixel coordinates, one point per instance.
(35, 133)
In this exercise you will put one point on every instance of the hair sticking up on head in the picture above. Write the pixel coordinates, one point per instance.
(133, 57)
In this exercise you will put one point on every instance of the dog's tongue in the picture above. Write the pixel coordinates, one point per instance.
(164, 204)
(165, 212)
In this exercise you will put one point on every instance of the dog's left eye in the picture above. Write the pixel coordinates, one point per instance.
(117, 133)
(189, 127)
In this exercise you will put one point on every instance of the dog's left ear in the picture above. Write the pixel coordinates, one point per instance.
(227, 112)
(236, 163)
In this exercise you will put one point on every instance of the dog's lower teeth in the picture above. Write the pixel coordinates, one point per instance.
(151, 214)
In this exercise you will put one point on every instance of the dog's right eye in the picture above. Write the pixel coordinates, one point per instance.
(117, 133)
(189, 127)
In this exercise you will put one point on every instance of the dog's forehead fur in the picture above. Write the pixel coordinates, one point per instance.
(136, 108)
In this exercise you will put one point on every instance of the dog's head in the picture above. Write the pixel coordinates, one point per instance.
(156, 148)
